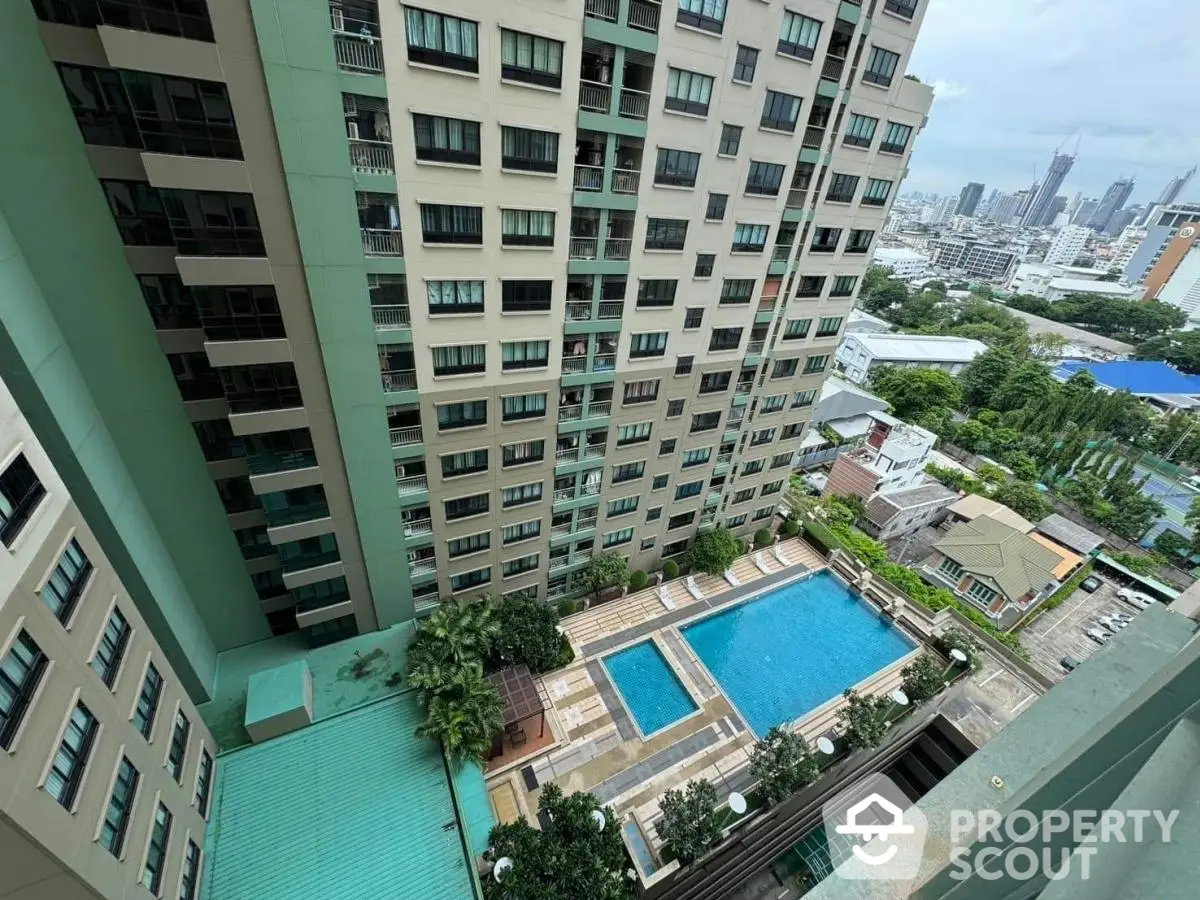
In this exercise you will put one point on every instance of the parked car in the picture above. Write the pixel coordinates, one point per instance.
(1069, 663)
(1112, 623)
(1097, 635)
(1135, 598)
(1091, 584)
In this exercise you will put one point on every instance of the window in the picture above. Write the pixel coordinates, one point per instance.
(815, 364)
(706, 14)
(622, 506)
(440, 40)
(667, 447)
(715, 211)
(693, 317)
(745, 64)
(895, 138)
(462, 507)
(522, 531)
(731, 140)
(616, 538)
(20, 493)
(203, 782)
(527, 150)
(674, 548)
(665, 234)
(472, 543)
(796, 329)
(763, 512)
(523, 453)
(638, 433)
(526, 228)
(860, 131)
(704, 265)
(785, 368)
(950, 568)
(810, 286)
(156, 854)
(774, 403)
(715, 382)
(736, 521)
(659, 482)
(466, 463)
(781, 459)
(655, 513)
(21, 671)
(525, 296)
(628, 472)
(876, 192)
(762, 436)
(681, 520)
(881, 66)
(771, 487)
(842, 188)
(826, 240)
(640, 392)
(191, 872)
(521, 406)
(674, 408)
(468, 413)
(791, 431)
(179, 741)
(449, 297)
(66, 770)
(119, 809)
(178, 18)
(676, 167)
(444, 224)
(147, 703)
(520, 564)
(749, 238)
(656, 292)
(860, 240)
(647, 344)
(981, 593)
(705, 421)
(764, 179)
(804, 398)
(798, 35)
(689, 489)
(440, 139)
(646, 544)
(461, 359)
(906, 9)
(531, 59)
(524, 355)
(688, 92)
(753, 467)
(66, 582)
(843, 285)
(743, 496)
(521, 494)
(725, 339)
(695, 457)
(780, 112)
(111, 649)
(683, 365)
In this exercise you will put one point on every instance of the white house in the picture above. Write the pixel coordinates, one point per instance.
(858, 354)
(904, 264)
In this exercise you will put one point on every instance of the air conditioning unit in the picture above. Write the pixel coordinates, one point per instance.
(352, 129)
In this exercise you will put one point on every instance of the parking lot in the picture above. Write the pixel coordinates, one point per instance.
(1061, 632)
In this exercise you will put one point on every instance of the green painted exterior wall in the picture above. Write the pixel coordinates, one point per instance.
(306, 88)
(70, 311)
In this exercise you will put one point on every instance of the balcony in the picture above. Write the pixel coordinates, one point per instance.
(594, 96)
(574, 365)
(577, 558)
(781, 252)
(605, 10)
(419, 567)
(413, 484)
(755, 348)
(417, 527)
(813, 137)
(617, 248)
(589, 178)
(399, 379)
(403, 437)
(625, 181)
(356, 44)
(561, 530)
(564, 495)
(388, 318)
(371, 157)
(598, 408)
(382, 242)
(832, 68)
(570, 413)
(644, 15)
(604, 362)
(567, 455)
(634, 104)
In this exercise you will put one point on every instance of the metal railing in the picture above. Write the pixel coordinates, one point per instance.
(625, 181)
(766, 304)
(560, 530)
(754, 347)
(595, 451)
(388, 317)
(413, 484)
(643, 15)
(382, 242)
(833, 67)
(599, 408)
(399, 379)
(570, 413)
(617, 248)
(604, 362)
(724, 459)
(414, 527)
(601, 9)
(813, 137)
(401, 437)
(795, 198)
(566, 454)
(594, 96)
(743, 390)
(610, 310)
(371, 157)
(589, 178)
(781, 254)
(564, 495)
(579, 310)
(582, 248)
(583, 524)
(634, 104)
(422, 566)
(356, 53)
(573, 365)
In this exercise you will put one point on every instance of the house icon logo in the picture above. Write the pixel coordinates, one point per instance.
(874, 832)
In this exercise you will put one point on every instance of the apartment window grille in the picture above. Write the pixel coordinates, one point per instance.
(779, 460)
(531, 59)
(745, 64)
(860, 240)
(774, 403)
(667, 447)
(798, 35)
(804, 399)
(736, 521)
(677, 168)
(622, 506)
(695, 457)
(460, 359)
(825, 240)
(736, 291)
(648, 344)
(265, 386)
(520, 565)
(666, 234)
(780, 111)
(657, 484)
(436, 39)
(860, 130)
(906, 9)
(467, 414)
(675, 408)
(881, 66)
(705, 421)
(683, 365)
(764, 179)
(526, 228)
(810, 286)
(21, 670)
(785, 368)
(753, 467)
(792, 431)
(524, 355)
(688, 92)
(445, 224)
(442, 139)
(688, 489)
(66, 769)
(715, 211)
(528, 150)
(708, 15)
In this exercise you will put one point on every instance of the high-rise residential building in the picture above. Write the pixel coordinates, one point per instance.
(387, 303)
(1067, 244)
(1087, 208)
(968, 199)
(972, 257)
(1164, 225)
(1038, 212)
(940, 212)
(1124, 247)
(1025, 197)
(1003, 209)
(1169, 195)
(1113, 200)
(1058, 207)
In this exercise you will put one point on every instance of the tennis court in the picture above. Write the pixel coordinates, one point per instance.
(1175, 496)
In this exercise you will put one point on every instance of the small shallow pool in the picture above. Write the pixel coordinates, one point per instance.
(783, 654)
(652, 693)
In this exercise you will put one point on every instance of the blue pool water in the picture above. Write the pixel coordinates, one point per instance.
(785, 653)
(653, 694)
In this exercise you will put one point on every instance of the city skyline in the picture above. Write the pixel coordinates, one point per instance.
(1014, 83)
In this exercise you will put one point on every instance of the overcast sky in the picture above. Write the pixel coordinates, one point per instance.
(1015, 78)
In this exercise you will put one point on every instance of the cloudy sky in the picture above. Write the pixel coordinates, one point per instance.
(1015, 78)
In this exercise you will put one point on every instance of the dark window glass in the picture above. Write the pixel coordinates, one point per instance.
(842, 188)
(177, 752)
(881, 66)
(440, 40)
(688, 92)
(764, 178)
(528, 150)
(218, 441)
(524, 355)
(212, 223)
(203, 782)
(295, 505)
(261, 387)
(780, 111)
(715, 211)
(526, 228)
(460, 359)
(120, 808)
(725, 339)
(825, 240)
(280, 451)
(810, 286)
(470, 413)
(441, 139)
(178, 18)
(860, 240)
(147, 704)
(20, 494)
(531, 59)
(647, 344)
(66, 583)
(737, 290)
(191, 872)
(21, 670)
(676, 167)
(659, 482)
(704, 265)
(656, 292)
(895, 138)
(525, 296)
(708, 15)
(239, 313)
(705, 421)
(443, 224)
(798, 35)
(731, 140)
(170, 301)
(904, 8)
(683, 365)
(744, 65)
(462, 507)
(70, 760)
(666, 234)
(693, 317)
(715, 382)
(156, 853)
(111, 649)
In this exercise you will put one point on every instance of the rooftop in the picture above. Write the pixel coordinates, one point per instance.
(1069, 560)
(935, 348)
(1087, 286)
(1069, 534)
(1003, 555)
(972, 506)
(1142, 378)
(1078, 336)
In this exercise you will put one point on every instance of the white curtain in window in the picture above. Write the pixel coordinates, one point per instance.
(454, 293)
(527, 222)
(800, 30)
(689, 86)
(713, 9)
(525, 351)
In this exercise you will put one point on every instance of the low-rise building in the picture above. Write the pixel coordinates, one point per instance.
(1067, 245)
(973, 506)
(858, 354)
(840, 421)
(973, 258)
(1034, 279)
(904, 264)
(1066, 288)
(891, 458)
(1070, 534)
(902, 512)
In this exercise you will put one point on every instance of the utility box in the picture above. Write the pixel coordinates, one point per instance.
(278, 701)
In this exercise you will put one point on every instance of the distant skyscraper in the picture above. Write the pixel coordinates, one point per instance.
(1058, 206)
(1114, 199)
(1122, 219)
(1024, 198)
(1086, 210)
(1038, 212)
(989, 204)
(968, 199)
(1170, 193)
(1003, 208)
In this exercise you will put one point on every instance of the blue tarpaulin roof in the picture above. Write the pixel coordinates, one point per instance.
(1139, 377)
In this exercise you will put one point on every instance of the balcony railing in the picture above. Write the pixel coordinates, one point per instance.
(413, 484)
(594, 96)
(724, 459)
(414, 527)
(594, 451)
(566, 454)
(382, 242)
(564, 495)
(579, 556)
(604, 362)
(610, 310)
(617, 248)
(399, 379)
(832, 68)
(570, 413)
(589, 178)
(599, 408)
(781, 253)
(583, 248)
(402, 437)
(573, 365)
(795, 199)
(754, 348)
(634, 104)
(579, 310)
(585, 523)
(560, 530)
(625, 181)
(813, 137)
(743, 390)
(371, 157)
(601, 9)
(422, 566)
(643, 15)
(357, 53)
(389, 317)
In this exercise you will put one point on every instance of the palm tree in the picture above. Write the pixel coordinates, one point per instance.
(461, 630)
(464, 716)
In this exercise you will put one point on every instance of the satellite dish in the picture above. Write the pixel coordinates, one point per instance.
(503, 864)
(825, 745)
(598, 818)
(899, 697)
(958, 656)
(737, 803)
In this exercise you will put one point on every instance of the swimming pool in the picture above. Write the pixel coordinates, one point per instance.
(652, 693)
(785, 653)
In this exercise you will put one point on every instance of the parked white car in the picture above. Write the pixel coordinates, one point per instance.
(1136, 598)
(1112, 623)
(1097, 635)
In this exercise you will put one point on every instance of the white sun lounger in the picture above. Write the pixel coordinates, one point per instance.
(693, 588)
(761, 563)
(778, 554)
(731, 578)
(665, 597)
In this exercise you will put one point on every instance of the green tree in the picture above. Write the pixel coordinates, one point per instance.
(528, 633)
(1135, 562)
(981, 379)
(918, 310)
(913, 391)
(1024, 467)
(1024, 499)
(973, 435)
(1132, 515)
(456, 633)
(890, 293)
(923, 678)
(714, 551)
(782, 763)
(605, 571)
(1047, 346)
(1029, 381)
(862, 720)
(465, 715)
(689, 820)
(568, 857)
(762, 538)
(1172, 544)
(1179, 348)
(1192, 519)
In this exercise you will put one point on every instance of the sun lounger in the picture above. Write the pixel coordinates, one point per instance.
(665, 597)
(731, 578)
(693, 588)
(778, 554)
(761, 563)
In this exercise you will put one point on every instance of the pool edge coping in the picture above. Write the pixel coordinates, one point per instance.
(671, 664)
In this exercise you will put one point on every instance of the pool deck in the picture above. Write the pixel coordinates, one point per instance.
(600, 750)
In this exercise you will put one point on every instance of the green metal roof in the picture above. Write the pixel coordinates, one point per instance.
(475, 805)
(351, 807)
(278, 690)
